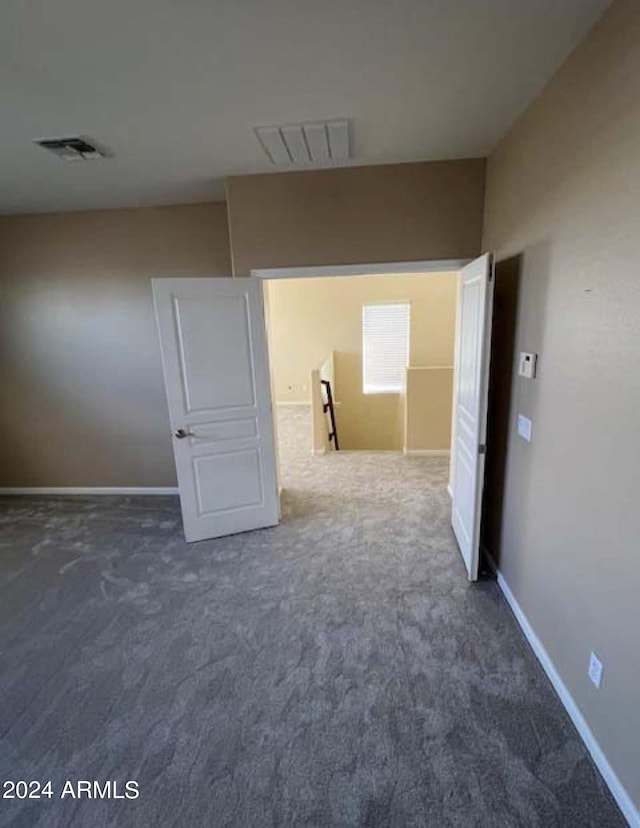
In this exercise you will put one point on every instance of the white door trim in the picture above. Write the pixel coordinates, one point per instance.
(372, 269)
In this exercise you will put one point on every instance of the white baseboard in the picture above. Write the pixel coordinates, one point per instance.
(625, 803)
(90, 490)
(285, 403)
(427, 452)
(368, 451)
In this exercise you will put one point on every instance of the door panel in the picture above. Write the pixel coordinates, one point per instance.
(223, 322)
(227, 480)
(215, 363)
(474, 336)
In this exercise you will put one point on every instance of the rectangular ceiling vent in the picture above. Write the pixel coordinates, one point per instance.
(320, 143)
(74, 148)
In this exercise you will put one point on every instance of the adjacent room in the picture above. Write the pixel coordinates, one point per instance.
(318, 434)
(378, 349)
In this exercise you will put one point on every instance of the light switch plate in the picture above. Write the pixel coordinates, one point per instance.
(524, 427)
(527, 365)
(595, 670)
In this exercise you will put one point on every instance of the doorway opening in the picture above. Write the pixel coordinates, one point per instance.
(378, 345)
(499, 410)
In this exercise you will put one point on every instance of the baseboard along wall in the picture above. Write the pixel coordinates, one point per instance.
(427, 452)
(625, 803)
(89, 490)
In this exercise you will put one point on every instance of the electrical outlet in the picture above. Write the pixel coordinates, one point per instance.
(595, 670)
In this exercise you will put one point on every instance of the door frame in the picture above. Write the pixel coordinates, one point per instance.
(371, 269)
(421, 267)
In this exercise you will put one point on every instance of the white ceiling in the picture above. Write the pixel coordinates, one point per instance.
(174, 87)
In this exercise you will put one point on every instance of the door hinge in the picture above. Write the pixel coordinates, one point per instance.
(482, 448)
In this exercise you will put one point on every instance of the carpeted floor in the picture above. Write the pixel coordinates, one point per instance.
(337, 670)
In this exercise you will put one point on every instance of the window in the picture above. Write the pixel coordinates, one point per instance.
(385, 347)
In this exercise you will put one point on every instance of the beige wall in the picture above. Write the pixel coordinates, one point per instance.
(311, 317)
(428, 403)
(389, 213)
(83, 401)
(564, 191)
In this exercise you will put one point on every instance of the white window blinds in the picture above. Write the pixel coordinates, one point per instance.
(385, 347)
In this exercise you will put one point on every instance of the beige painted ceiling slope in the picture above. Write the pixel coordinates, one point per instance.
(174, 89)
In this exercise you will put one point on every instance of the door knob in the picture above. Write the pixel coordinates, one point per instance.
(180, 434)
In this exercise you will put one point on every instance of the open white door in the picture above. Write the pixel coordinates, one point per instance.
(470, 421)
(216, 372)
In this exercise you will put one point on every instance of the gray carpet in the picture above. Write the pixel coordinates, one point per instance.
(337, 670)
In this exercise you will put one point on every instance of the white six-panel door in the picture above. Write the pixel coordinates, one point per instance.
(470, 421)
(216, 370)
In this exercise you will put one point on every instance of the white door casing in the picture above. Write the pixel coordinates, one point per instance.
(216, 372)
(471, 398)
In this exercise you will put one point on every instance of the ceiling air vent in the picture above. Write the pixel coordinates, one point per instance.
(319, 143)
(74, 148)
